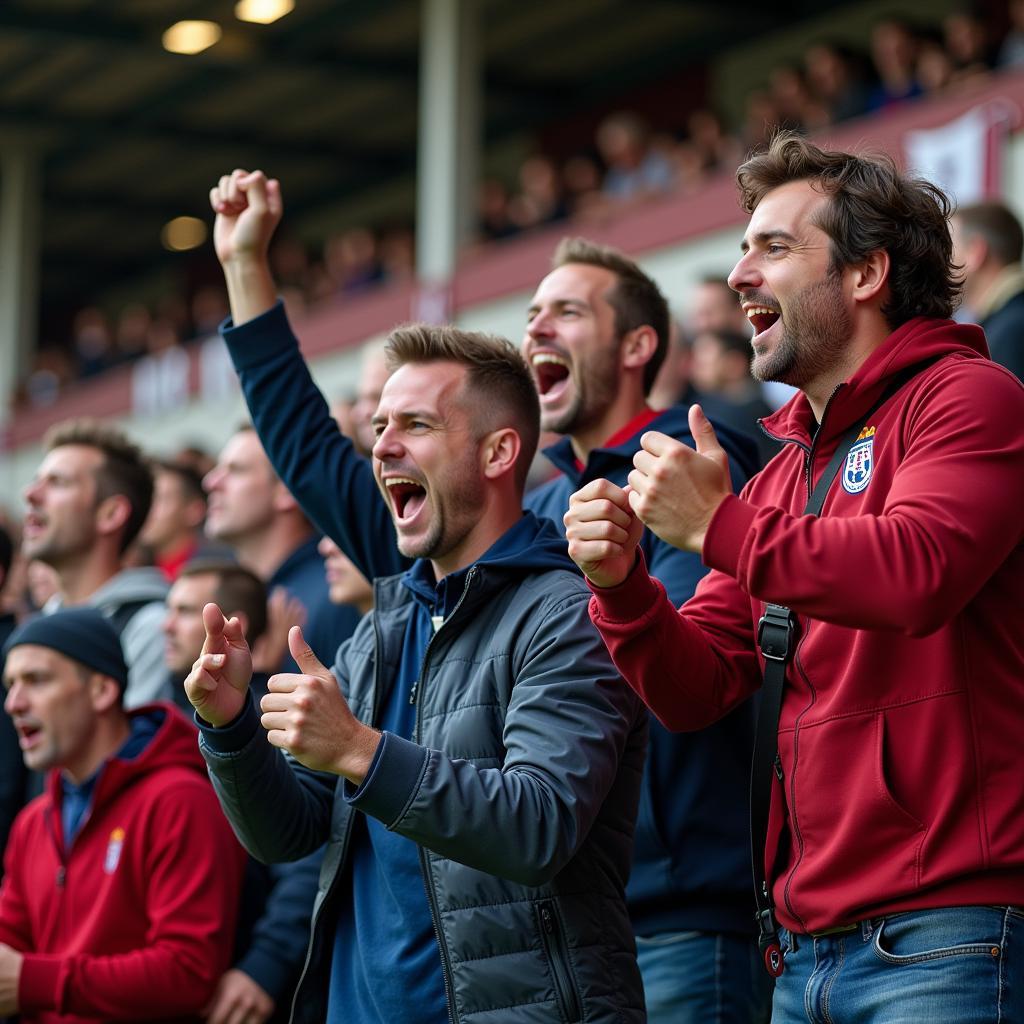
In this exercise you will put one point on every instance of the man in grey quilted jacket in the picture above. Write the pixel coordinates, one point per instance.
(472, 759)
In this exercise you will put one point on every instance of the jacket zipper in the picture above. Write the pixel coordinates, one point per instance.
(555, 948)
(435, 911)
(343, 856)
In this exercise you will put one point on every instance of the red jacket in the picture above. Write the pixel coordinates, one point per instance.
(136, 921)
(902, 718)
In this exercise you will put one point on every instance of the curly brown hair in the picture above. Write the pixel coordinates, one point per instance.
(872, 208)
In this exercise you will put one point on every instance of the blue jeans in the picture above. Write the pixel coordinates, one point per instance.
(956, 965)
(703, 978)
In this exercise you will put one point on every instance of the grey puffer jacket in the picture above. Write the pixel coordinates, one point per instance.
(521, 789)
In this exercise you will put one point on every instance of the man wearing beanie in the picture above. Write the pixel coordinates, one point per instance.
(121, 881)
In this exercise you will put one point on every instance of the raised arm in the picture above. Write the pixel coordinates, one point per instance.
(332, 482)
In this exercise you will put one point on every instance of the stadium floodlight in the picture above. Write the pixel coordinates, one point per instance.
(191, 37)
(263, 12)
(183, 233)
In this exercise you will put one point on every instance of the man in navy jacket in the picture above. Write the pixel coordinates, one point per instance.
(597, 332)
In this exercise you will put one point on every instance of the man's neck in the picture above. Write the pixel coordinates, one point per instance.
(494, 521)
(265, 552)
(109, 736)
(619, 415)
(81, 578)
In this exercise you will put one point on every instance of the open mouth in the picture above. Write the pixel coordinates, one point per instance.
(550, 372)
(761, 317)
(407, 496)
(27, 735)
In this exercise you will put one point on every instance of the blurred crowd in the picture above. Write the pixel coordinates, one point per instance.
(631, 158)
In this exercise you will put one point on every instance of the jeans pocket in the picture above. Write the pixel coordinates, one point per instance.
(939, 934)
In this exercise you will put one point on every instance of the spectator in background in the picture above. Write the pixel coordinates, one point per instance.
(798, 109)
(1011, 52)
(582, 179)
(84, 508)
(633, 169)
(174, 527)
(252, 511)
(122, 881)
(93, 342)
(966, 37)
(987, 244)
(836, 77)
(209, 307)
(934, 66)
(673, 385)
(494, 218)
(351, 263)
(373, 374)
(540, 199)
(720, 370)
(274, 920)
(345, 583)
(132, 332)
(894, 53)
(13, 774)
(398, 254)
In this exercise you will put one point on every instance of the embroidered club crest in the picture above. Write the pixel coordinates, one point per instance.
(114, 847)
(859, 462)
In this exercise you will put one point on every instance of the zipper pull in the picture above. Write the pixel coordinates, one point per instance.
(61, 875)
(778, 767)
(547, 920)
(414, 691)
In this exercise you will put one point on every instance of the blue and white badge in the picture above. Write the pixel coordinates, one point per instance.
(859, 462)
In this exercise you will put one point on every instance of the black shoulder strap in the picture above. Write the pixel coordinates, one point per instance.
(776, 637)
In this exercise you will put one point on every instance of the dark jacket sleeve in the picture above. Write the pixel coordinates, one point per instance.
(280, 810)
(280, 936)
(317, 463)
(569, 725)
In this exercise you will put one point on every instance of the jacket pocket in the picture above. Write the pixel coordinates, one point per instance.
(556, 952)
(853, 840)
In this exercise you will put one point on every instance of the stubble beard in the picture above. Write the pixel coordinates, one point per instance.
(815, 336)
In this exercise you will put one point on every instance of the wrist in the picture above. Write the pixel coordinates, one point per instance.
(250, 286)
(355, 761)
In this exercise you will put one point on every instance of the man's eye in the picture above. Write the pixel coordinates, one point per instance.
(775, 248)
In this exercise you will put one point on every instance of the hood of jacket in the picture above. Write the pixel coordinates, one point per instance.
(143, 584)
(172, 744)
(919, 341)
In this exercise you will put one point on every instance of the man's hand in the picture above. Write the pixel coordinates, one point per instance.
(238, 1000)
(675, 490)
(603, 532)
(248, 207)
(10, 975)
(308, 716)
(217, 683)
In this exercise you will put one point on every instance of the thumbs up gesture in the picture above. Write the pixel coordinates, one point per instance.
(674, 490)
(307, 715)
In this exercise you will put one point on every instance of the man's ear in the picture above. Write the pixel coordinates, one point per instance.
(499, 452)
(104, 692)
(112, 514)
(284, 501)
(638, 347)
(869, 279)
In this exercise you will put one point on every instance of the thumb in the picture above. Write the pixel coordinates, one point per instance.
(213, 622)
(704, 436)
(303, 654)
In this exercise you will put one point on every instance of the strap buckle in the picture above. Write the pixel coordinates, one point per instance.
(775, 632)
(768, 943)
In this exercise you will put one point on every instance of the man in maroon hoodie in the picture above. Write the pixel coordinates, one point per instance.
(895, 837)
(122, 880)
